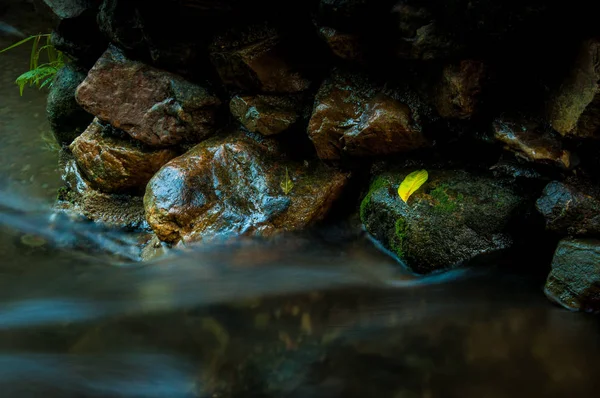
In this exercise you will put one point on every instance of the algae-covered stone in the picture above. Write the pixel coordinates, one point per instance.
(67, 118)
(228, 186)
(453, 218)
(574, 281)
(117, 164)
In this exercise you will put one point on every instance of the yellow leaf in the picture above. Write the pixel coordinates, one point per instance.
(411, 183)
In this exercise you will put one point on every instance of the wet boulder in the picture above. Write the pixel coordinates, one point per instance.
(356, 117)
(67, 119)
(574, 281)
(454, 218)
(265, 114)
(255, 59)
(574, 110)
(114, 164)
(458, 93)
(65, 9)
(529, 141)
(347, 46)
(153, 106)
(237, 185)
(571, 208)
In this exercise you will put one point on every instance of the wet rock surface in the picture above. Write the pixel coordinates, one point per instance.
(347, 46)
(153, 106)
(452, 219)
(574, 281)
(67, 119)
(528, 140)
(114, 164)
(65, 9)
(233, 186)
(575, 108)
(571, 208)
(265, 114)
(254, 59)
(459, 89)
(354, 116)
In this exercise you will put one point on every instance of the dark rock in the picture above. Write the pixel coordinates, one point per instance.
(232, 186)
(347, 46)
(151, 105)
(354, 116)
(265, 114)
(80, 199)
(459, 90)
(571, 208)
(80, 38)
(116, 165)
(254, 59)
(529, 141)
(120, 21)
(574, 281)
(454, 218)
(575, 109)
(66, 9)
(67, 118)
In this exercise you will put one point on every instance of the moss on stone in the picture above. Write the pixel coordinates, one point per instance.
(445, 203)
(377, 183)
(397, 241)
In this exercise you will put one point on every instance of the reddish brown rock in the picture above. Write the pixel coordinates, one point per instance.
(575, 109)
(151, 105)
(255, 60)
(354, 116)
(344, 45)
(459, 89)
(265, 114)
(232, 186)
(116, 165)
(528, 141)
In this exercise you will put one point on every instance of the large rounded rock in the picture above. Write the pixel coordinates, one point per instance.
(67, 118)
(574, 281)
(571, 208)
(236, 186)
(151, 105)
(353, 116)
(528, 140)
(65, 9)
(458, 93)
(265, 114)
(452, 219)
(116, 165)
(574, 110)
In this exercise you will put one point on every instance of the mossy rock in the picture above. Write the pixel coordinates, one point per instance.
(453, 218)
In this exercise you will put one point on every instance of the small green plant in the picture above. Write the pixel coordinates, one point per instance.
(39, 75)
(287, 185)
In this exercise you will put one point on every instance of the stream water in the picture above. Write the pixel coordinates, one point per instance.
(320, 314)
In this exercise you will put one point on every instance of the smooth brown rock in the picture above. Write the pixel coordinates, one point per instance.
(527, 140)
(459, 89)
(575, 109)
(386, 127)
(232, 186)
(254, 60)
(354, 116)
(344, 45)
(265, 114)
(153, 106)
(116, 165)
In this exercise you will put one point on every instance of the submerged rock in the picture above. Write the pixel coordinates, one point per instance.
(459, 90)
(575, 108)
(151, 105)
(67, 119)
(571, 208)
(528, 141)
(116, 165)
(265, 114)
(574, 281)
(233, 186)
(354, 116)
(254, 59)
(452, 219)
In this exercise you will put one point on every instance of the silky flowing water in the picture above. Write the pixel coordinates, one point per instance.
(319, 314)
